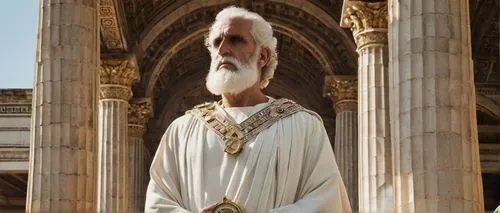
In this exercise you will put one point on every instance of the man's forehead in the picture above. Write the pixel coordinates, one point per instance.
(234, 25)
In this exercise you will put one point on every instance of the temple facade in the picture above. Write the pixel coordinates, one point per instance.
(409, 92)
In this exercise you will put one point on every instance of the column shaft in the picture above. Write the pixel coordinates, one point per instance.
(346, 152)
(436, 154)
(63, 129)
(342, 89)
(369, 25)
(137, 174)
(375, 169)
(138, 114)
(113, 156)
(116, 77)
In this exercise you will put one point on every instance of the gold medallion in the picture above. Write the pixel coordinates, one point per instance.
(233, 142)
(227, 206)
(233, 146)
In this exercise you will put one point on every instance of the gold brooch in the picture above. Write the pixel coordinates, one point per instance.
(227, 206)
(233, 140)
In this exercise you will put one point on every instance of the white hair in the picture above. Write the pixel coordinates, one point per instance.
(261, 32)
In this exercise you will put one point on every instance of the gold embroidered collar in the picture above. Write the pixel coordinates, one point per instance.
(235, 135)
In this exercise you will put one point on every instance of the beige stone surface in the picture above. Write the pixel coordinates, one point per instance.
(15, 130)
(14, 167)
(63, 129)
(15, 121)
(436, 156)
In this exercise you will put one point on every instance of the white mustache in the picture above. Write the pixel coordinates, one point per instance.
(229, 60)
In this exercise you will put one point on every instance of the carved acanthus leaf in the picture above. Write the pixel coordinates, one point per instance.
(118, 72)
(343, 90)
(138, 111)
(367, 20)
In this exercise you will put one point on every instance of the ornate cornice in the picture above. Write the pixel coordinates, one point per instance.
(15, 109)
(111, 31)
(118, 72)
(343, 90)
(138, 114)
(367, 20)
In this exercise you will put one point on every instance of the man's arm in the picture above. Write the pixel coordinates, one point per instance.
(321, 187)
(163, 193)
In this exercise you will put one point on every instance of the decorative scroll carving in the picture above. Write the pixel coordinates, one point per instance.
(138, 114)
(343, 90)
(110, 27)
(367, 20)
(15, 109)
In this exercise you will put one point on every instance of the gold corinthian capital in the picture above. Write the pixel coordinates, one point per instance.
(367, 20)
(116, 78)
(343, 90)
(138, 114)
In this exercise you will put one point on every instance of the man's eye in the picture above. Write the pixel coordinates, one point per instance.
(235, 39)
(217, 42)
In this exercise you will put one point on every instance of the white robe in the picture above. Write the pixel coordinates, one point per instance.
(288, 167)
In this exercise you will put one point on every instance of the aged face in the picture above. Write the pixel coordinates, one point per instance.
(234, 59)
(234, 39)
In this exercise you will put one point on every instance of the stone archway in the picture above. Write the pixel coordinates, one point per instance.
(309, 50)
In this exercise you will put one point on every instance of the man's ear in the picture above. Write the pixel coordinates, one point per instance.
(264, 57)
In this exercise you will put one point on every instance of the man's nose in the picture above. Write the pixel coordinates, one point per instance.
(224, 48)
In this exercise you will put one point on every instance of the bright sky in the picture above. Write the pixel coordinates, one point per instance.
(18, 28)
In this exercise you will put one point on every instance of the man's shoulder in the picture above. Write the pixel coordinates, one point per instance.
(201, 109)
(204, 105)
(190, 114)
(306, 116)
(302, 112)
(181, 121)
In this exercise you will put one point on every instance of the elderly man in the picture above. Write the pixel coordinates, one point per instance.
(248, 152)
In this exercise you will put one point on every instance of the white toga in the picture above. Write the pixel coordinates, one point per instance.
(288, 167)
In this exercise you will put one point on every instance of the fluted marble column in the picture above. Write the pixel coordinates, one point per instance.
(116, 77)
(138, 114)
(343, 92)
(369, 25)
(436, 154)
(63, 129)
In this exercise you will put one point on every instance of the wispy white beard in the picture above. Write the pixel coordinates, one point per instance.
(233, 82)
